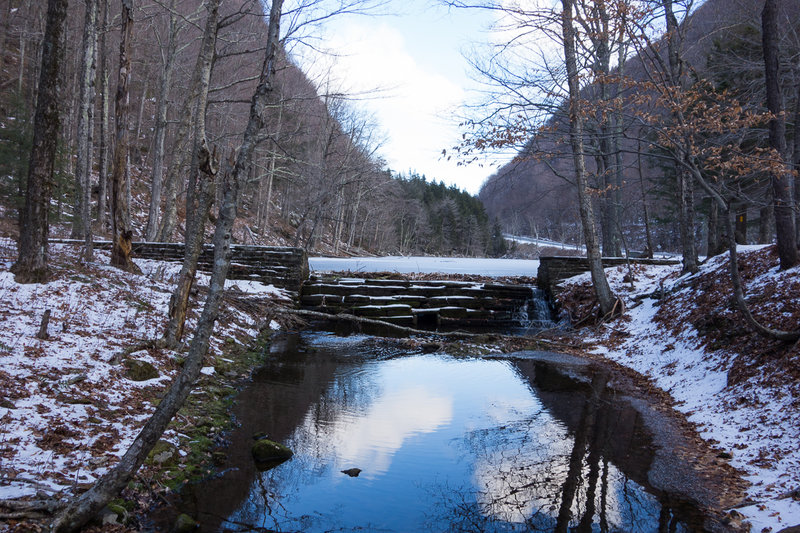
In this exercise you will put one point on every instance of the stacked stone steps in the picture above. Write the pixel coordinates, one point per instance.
(283, 267)
(418, 303)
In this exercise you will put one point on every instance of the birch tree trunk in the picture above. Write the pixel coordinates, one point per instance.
(168, 60)
(82, 219)
(102, 194)
(605, 297)
(31, 265)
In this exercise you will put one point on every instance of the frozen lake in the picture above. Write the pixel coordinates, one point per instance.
(445, 265)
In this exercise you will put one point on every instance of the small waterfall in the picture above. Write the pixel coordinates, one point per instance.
(536, 313)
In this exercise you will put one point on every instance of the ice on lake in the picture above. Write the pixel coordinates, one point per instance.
(428, 265)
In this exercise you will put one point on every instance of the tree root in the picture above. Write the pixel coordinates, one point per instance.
(29, 509)
(150, 344)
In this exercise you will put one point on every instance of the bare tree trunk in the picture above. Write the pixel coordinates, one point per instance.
(645, 214)
(185, 146)
(605, 297)
(31, 264)
(137, 139)
(713, 238)
(102, 188)
(198, 202)
(272, 162)
(796, 160)
(685, 195)
(82, 219)
(179, 303)
(168, 59)
(766, 218)
(686, 217)
(781, 185)
(21, 75)
(607, 129)
(796, 165)
(120, 207)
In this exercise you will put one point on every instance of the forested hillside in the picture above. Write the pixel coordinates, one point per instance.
(634, 153)
(315, 181)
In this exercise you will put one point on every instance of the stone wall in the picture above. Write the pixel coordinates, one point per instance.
(281, 266)
(423, 304)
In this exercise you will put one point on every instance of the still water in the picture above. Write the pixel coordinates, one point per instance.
(442, 444)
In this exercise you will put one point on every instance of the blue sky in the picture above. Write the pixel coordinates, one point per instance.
(414, 57)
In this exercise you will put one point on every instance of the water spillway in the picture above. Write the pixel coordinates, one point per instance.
(429, 304)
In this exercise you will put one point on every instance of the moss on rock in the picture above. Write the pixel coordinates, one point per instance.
(184, 524)
(163, 453)
(136, 370)
(265, 451)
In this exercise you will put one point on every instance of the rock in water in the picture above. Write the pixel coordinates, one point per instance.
(184, 524)
(265, 450)
(352, 472)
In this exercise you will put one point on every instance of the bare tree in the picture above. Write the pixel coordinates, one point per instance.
(31, 265)
(200, 192)
(607, 300)
(103, 147)
(82, 218)
(168, 52)
(120, 191)
(781, 181)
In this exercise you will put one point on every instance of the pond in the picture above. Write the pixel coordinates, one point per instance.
(441, 443)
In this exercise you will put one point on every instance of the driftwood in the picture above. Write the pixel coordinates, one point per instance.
(46, 505)
(28, 509)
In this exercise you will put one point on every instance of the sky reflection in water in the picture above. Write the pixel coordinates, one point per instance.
(444, 444)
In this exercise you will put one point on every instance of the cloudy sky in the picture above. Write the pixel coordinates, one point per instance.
(413, 58)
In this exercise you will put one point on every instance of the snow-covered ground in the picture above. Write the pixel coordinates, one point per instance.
(67, 409)
(755, 421)
(412, 264)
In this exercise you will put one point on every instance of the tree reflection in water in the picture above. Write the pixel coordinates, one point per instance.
(444, 445)
(536, 475)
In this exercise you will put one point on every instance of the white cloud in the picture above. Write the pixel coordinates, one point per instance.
(414, 105)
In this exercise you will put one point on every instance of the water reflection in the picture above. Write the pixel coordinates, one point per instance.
(443, 445)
